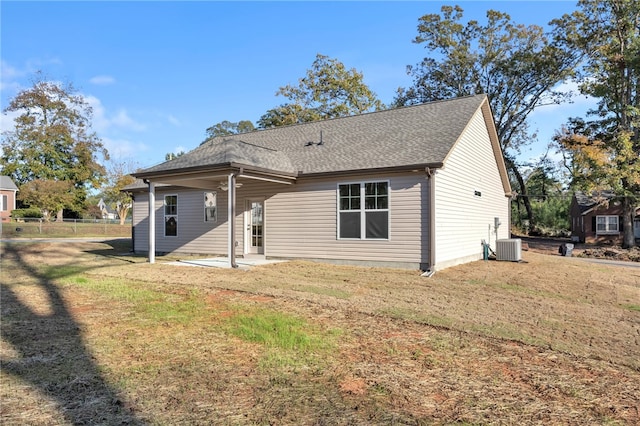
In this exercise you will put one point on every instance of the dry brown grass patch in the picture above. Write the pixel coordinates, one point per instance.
(110, 339)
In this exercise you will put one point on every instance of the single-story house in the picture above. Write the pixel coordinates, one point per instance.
(417, 187)
(107, 212)
(598, 218)
(8, 191)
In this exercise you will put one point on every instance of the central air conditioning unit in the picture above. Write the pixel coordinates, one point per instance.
(509, 249)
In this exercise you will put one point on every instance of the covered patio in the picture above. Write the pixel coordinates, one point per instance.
(226, 162)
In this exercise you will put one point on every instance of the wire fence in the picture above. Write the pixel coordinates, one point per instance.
(34, 228)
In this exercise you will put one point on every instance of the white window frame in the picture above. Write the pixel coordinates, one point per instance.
(214, 218)
(4, 202)
(609, 226)
(363, 210)
(167, 216)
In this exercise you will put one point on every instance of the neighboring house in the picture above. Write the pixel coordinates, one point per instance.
(418, 187)
(107, 212)
(598, 219)
(8, 191)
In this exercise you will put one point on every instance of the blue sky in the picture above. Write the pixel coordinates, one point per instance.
(159, 73)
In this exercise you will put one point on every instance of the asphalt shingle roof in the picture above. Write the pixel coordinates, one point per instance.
(414, 135)
(230, 149)
(7, 183)
(586, 202)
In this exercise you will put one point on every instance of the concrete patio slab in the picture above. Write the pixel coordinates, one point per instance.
(223, 262)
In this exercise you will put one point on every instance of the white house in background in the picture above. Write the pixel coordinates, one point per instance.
(8, 191)
(417, 187)
(107, 212)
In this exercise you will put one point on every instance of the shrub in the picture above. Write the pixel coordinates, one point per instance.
(31, 212)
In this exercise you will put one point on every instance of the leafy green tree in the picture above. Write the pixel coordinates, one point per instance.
(93, 212)
(225, 128)
(549, 199)
(542, 180)
(328, 90)
(515, 65)
(286, 115)
(605, 148)
(53, 141)
(49, 195)
(171, 155)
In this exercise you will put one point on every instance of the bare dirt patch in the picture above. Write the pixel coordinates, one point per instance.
(612, 253)
(551, 246)
(550, 341)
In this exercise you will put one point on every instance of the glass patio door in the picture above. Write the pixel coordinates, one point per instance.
(255, 230)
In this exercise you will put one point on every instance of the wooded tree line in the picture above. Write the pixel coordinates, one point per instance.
(520, 68)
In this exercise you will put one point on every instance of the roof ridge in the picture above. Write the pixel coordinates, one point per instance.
(363, 114)
(247, 143)
(423, 133)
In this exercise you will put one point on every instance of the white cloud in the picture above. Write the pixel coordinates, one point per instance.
(12, 77)
(7, 121)
(123, 148)
(9, 72)
(173, 120)
(9, 76)
(100, 122)
(179, 149)
(104, 122)
(102, 80)
(122, 119)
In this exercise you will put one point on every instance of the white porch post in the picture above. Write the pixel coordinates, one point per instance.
(152, 222)
(231, 183)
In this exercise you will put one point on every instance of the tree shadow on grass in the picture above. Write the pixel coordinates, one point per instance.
(51, 355)
(118, 248)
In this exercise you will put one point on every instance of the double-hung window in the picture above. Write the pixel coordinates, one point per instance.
(607, 224)
(363, 210)
(171, 215)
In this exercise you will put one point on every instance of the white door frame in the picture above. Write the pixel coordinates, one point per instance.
(248, 246)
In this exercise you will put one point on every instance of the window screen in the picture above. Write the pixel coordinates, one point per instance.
(363, 210)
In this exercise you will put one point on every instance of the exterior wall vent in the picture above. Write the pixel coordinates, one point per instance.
(509, 249)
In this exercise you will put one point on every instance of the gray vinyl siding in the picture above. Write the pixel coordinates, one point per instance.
(300, 221)
(194, 234)
(464, 219)
(140, 222)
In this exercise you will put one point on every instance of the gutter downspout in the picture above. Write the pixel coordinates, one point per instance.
(152, 222)
(431, 175)
(231, 249)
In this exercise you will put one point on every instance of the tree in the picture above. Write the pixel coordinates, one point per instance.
(605, 150)
(286, 115)
(225, 128)
(49, 195)
(328, 90)
(53, 141)
(171, 155)
(118, 177)
(515, 65)
(542, 180)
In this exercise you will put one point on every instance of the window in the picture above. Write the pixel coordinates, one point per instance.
(171, 215)
(363, 210)
(210, 207)
(607, 224)
(5, 201)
